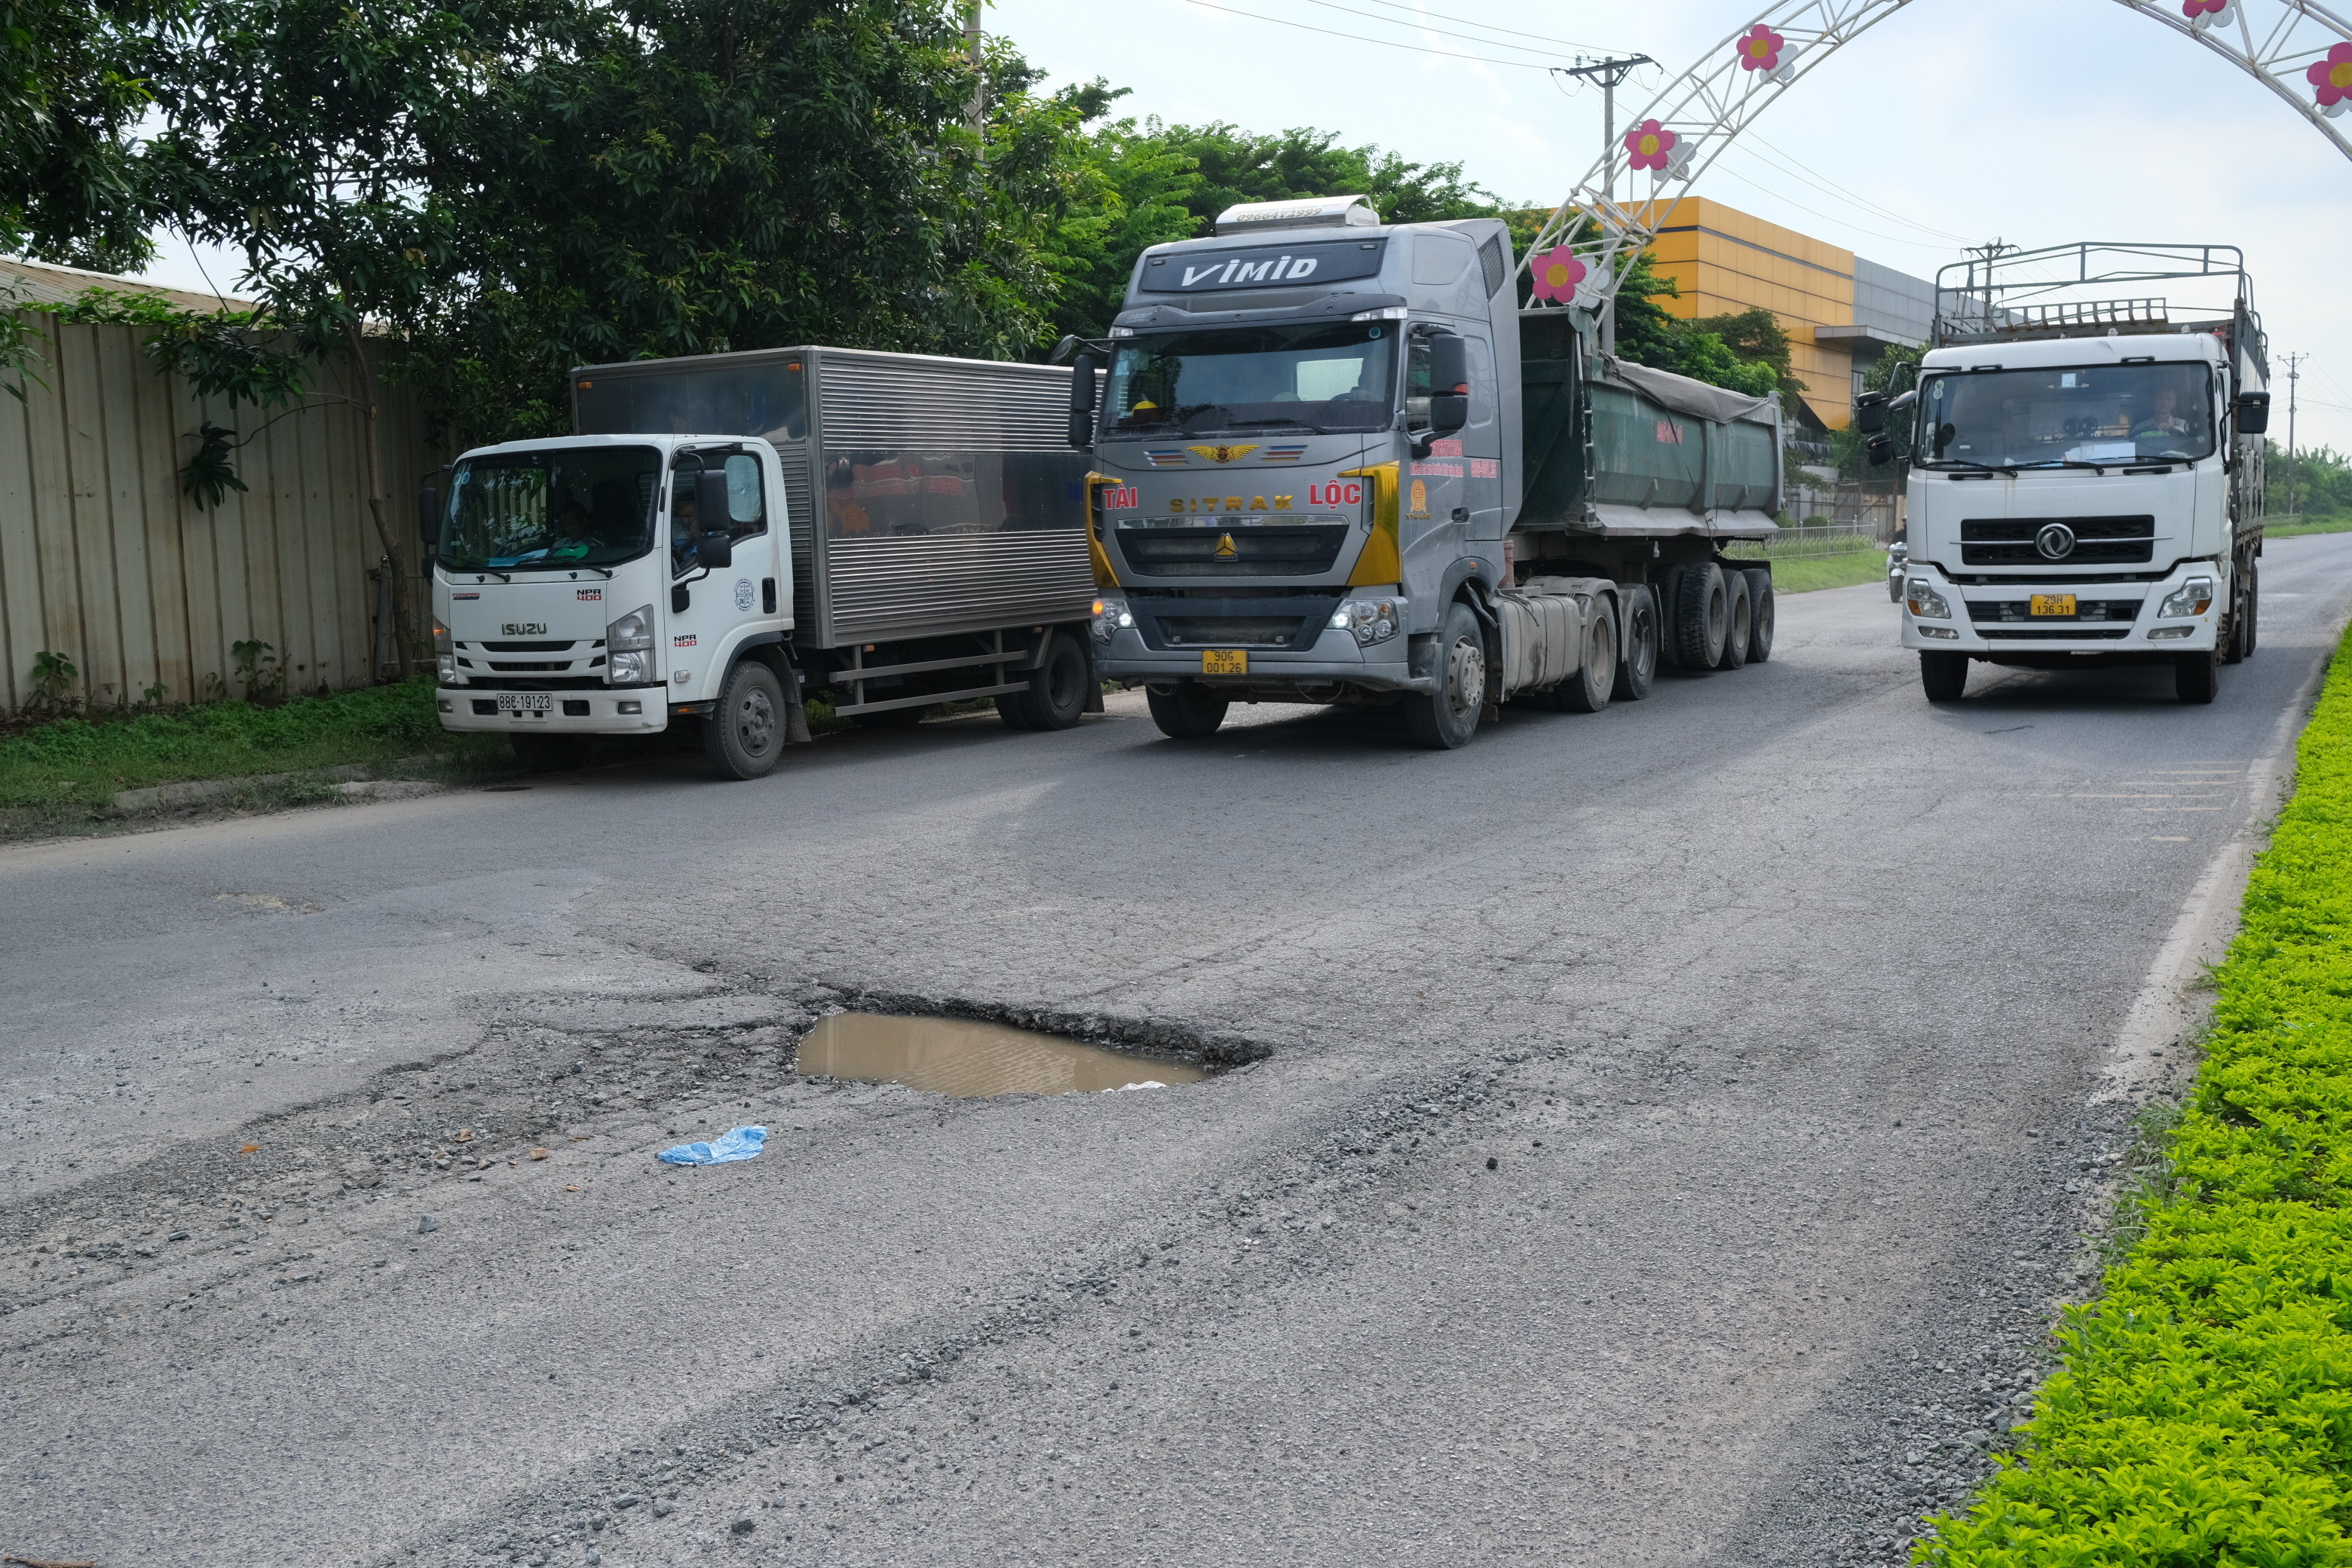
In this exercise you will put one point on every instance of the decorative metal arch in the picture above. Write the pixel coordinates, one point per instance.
(2303, 52)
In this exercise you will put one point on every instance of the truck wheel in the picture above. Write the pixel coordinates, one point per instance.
(2197, 676)
(1637, 647)
(1943, 675)
(552, 753)
(1056, 697)
(2242, 618)
(1448, 717)
(1587, 691)
(744, 733)
(1187, 711)
(1759, 614)
(1702, 617)
(1735, 620)
(2254, 606)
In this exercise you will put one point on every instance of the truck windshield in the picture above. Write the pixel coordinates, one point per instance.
(2091, 413)
(1323, 377)
(569, 506)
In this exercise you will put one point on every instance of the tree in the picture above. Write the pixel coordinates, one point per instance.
(70, 98)
(711, 174)
(1752, 337)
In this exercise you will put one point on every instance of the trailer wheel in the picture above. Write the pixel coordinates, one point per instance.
(1702, 617)
(552, 753)
(1587, 691)
(1056, 697)
(744, 733)
(1760, 614)
(1735, 620)
(2197, 676)
(1187, 711)
(2254, 606)
(1637, 647)
(1944, 676)
(1448, 717)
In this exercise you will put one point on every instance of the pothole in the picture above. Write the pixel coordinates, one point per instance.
(973, 1060)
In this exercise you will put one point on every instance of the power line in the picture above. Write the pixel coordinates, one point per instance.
(1833, 218)
(1397, 22)
(1485, 27)
(1864, 202)
(1359, 39)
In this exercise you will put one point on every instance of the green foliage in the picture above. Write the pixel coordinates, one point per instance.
(2318, 480)
(53, 680)
(76, 764)
(2204, 1416)
(72, 97)
(258, 670)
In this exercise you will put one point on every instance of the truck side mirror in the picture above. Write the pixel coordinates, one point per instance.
(2253, 413)
(710, 509)
(1870, 414)
(1449, 383)
(1879, 450)
(1082, 401)
(428, 516)
(715, 551)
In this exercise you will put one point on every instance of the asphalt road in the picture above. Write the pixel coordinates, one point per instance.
(1664, 1135)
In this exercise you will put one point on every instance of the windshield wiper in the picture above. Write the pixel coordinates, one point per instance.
(1184, 416)
(2008, 468)
(1282, 420)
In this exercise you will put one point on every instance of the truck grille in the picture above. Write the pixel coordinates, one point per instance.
(1265, 551)
(2010, 541)
(2051, 634)
(1189, 623)
(1992, 611)
(525, 646)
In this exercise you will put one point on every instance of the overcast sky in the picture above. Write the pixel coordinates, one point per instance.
(1946, 124)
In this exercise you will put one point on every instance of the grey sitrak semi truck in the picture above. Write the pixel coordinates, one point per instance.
(729, 533)
(1335, 462)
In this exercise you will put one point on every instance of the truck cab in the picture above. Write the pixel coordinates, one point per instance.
(613, 585)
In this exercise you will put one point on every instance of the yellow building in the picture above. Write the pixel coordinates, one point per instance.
(1841, 310)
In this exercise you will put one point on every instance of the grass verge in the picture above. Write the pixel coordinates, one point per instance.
(1803, 574)
(2204, 1412)
(70, 768)
(2340, 524)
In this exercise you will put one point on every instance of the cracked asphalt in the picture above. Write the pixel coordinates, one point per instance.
(1656, 1137)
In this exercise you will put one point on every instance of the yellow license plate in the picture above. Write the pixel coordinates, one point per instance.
(2053, 605)
(1223, 661)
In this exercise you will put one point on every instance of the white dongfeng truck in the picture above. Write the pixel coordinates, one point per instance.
(730, 532)
(2086, 473)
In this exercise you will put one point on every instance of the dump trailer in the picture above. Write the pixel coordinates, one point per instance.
(1335, 462)
(731, 533)
(2085, 486)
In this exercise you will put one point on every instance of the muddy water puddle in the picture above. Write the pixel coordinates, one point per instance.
(971, 1060)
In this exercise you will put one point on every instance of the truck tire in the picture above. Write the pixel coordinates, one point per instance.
(1945, 676)
(2242, 618)
(1735, 620)
(1701, 617)
(2197, 676)
(744, 733)
(1588, 690)
(1637, 646)
(1448, 717)
(1187, 711)
(1759, 614)
(552, 753)
(2254, 606)
(1056, 697)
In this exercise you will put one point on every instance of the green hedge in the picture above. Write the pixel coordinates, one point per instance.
(2204, 1413)
(77, 763)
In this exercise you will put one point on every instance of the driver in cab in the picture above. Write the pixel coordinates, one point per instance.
(2163, 420)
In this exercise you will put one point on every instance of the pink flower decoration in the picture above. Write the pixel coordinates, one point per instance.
(1650, 142)
(2332, 76)
(1556, 273)
(1760, 49)
(2192, 9)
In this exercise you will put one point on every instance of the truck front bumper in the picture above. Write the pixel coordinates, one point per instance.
(591, 712)
(1994, 620)
(1334, 659)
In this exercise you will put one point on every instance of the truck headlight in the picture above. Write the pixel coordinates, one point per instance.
(1111, 614)
(444, 653)
(1925, 603)
(1369, 621)
(2193, 597)
(629, 649)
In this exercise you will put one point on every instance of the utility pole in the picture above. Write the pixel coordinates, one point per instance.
(1988, 253)
(2293, 374)
(1608, 73)
(973, 116)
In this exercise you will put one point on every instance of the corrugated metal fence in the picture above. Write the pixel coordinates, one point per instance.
(104, 559)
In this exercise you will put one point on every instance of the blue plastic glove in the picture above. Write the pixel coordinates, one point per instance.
(737, 1143)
